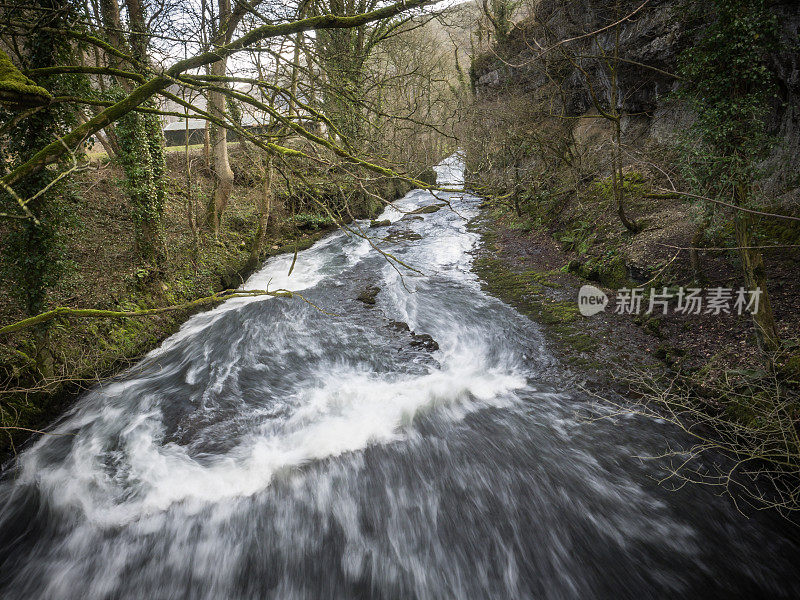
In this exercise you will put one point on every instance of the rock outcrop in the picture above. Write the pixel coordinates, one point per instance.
(536, 64)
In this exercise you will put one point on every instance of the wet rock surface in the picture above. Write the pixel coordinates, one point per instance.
(424, 341)
(425, 210)
(418, 340)
(368, 294)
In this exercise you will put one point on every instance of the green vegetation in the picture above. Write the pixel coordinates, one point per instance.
(102, 277)
(580, 146)
(16, 90)
(730, 86)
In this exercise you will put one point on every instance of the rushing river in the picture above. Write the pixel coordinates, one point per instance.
(268, 450)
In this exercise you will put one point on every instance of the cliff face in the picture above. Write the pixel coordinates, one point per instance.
(532, 59)
(785, 123)
(535, 64)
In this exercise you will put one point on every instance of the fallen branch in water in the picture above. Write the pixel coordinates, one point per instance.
(66, 312)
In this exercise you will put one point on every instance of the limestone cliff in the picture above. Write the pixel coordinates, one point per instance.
(535, 63)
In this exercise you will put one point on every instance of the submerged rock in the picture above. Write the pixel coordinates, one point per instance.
(424, 341)
(399, 326)
(368, 294)
(423, 210)
(402, 235)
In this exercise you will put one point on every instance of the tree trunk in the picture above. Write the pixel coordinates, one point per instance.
(207, 145)
(98, 134)
(694, 256)
(263, 214)
(617, 176)
(45, 363)
(223, 175)
(220, 163)
(298, 41)
(142, 149)
(755, 276)
(189, 195)
(618, 180)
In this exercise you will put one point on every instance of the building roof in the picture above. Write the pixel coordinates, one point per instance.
(248, 120)
(180, 125)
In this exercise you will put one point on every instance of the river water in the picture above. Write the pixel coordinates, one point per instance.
(268, 450)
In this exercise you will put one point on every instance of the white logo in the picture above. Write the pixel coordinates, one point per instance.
(591, 300)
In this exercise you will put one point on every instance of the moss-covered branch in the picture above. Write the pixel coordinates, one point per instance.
(66, 312)
(142, 109)
(16, 90)
(64, 69)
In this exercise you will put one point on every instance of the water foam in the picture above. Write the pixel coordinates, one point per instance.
(344, 410)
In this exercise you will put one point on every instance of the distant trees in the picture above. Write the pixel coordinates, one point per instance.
(387, 87)
(342, 56)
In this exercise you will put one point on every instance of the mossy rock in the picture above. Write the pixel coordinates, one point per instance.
(590, 269)
(17, 92)
(427, 176)
(669, 355)
(424, 210)
(312, 222)
(384, 223)
(790, 369)
(653, 327)
(369, 294)
(785, 231)
(402, 236)
(424, 341)
(613, 273)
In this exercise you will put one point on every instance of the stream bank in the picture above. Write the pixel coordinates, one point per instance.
(529, 271)
(104, 273)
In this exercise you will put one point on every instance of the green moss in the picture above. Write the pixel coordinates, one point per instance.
(779, 230)
(542, 277)
(523, 291)
(610, 271)
(588, 269)
(310, 221)
(16, 90)
(613, 273)
(579, 342)
(790, 367)
(653, 327)
(634, 185)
